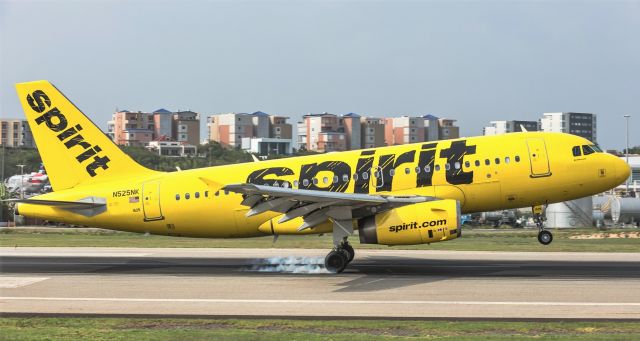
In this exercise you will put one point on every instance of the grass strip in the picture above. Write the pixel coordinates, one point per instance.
(471, 240)
(279, 329)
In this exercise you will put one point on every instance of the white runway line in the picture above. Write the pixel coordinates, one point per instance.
(254, 301)
(7, 282)
(19, 253)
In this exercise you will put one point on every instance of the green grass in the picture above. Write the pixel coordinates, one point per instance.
(223, 329)
(472, 240)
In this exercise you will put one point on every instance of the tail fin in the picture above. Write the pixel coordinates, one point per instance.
(73, 149)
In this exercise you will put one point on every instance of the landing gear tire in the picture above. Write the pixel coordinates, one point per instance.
(336, 261)
(350, 252)
(545, 237)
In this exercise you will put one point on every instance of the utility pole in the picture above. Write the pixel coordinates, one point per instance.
(627, 149)
(21, 181)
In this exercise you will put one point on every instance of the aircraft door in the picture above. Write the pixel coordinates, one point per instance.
(151, 200)
(378, 177)
(538, 158)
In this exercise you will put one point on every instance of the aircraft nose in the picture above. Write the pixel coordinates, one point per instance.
(623, 171)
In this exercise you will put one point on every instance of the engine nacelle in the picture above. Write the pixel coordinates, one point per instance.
(426, 222)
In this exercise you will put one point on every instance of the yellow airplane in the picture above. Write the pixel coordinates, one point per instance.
(397, 195)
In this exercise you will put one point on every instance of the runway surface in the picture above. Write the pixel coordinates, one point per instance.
(286, 282)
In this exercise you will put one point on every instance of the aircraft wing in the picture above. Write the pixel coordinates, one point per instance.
(317, 206)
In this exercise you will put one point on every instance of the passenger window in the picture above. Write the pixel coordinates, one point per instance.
(226, 192)
(487, 162)
(576, 151)
(187, 196)
(217, 193)
(355, 176)
(295, 183)
(315, 181)
(427, 169)
(325, 180)
(345, 177)
(285, 184)
(206, 194)
(447, 166)
(376, 174)
(586, 150)
(197, 194)
(517, 158)
(392, 172)
(417, 170)
(365, 175)
(507, 159)
(305, 182)
(335, 179)
(456, 165)
(437, 168)
(497, 161)
(177, 196)
(407, 171)
(477, 163)
(467, 164)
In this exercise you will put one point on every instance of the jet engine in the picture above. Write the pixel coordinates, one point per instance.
(421, 223)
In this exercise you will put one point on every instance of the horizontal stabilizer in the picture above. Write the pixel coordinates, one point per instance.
(85, 203)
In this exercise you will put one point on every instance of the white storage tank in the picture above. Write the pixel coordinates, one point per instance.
(574, 213)
(625, 210)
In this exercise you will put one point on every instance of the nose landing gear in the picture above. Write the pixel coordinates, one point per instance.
(544, 237)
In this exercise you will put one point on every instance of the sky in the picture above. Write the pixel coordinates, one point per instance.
(473, 61)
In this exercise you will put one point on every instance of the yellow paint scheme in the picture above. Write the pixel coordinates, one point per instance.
(142, 200)
(421, 223)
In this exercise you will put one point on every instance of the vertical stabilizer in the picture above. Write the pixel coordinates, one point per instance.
(73, 149)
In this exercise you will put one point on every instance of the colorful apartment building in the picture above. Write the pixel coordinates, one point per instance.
(403, 130)
(372, 131)
(139, 128)
(325, 133)
(15, 133)
(258, 133)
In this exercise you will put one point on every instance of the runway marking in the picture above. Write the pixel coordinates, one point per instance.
(63, 254)
(7, 282)
(253, 301)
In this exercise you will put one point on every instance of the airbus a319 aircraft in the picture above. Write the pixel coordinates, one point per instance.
(396, 195)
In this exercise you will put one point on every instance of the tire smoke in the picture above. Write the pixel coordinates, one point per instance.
(291, 264)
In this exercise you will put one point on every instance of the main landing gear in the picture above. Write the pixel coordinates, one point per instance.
(338, 259)
(544, 237)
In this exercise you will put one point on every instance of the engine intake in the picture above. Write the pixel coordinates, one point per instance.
(426, 222)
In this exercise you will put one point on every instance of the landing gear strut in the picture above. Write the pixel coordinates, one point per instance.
(338, 259)
(544, 237)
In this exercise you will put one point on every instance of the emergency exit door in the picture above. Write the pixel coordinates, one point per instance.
(151, 200)
(538, 158)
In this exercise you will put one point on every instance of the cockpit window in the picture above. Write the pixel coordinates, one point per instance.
(586, 150)
(576, 151)
(596, 148)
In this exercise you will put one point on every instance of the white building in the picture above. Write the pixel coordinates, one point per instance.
(580, 124)
(172, 148)
(267, 146)
(634, 178)
(512, 126)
